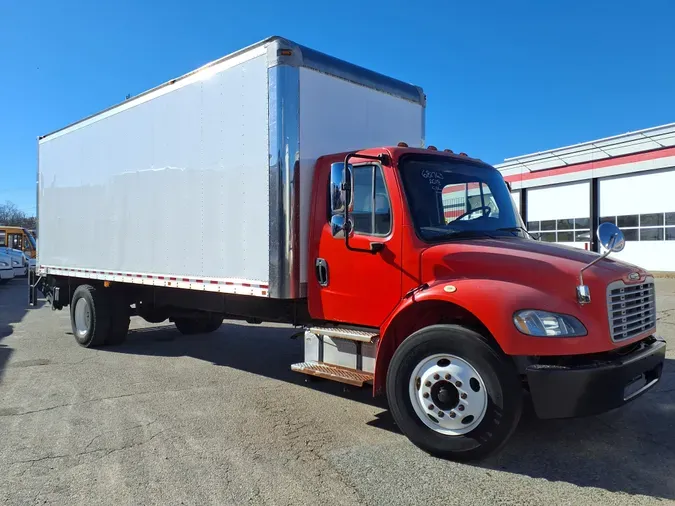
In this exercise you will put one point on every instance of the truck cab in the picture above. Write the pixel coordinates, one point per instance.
(425, 250)
(18, 238)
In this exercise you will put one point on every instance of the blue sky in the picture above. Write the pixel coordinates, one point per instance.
(503, 78)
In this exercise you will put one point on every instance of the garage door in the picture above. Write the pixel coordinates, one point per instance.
(561, 213)
(643, 206)
(515, 195)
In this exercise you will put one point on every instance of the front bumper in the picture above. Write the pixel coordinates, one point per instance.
(598, 383)
(7, 273)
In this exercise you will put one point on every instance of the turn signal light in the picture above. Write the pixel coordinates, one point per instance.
(402, 145)
(448, 151)
(432, 148)
(463, 154)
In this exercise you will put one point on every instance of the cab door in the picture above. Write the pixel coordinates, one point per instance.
(358, 285)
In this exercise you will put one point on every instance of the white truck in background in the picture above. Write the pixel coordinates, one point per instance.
(19, 261)
(6, 269)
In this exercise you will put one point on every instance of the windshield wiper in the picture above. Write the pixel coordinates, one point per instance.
(440, 234)
(515, 229)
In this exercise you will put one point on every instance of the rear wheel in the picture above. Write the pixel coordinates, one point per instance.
(189, 326)
(453, 393)
(90, 316)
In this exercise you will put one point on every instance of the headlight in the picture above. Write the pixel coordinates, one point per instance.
(543, 323)
(4, 264)
(16, 262)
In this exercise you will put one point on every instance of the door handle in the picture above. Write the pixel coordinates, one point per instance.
(321, 270)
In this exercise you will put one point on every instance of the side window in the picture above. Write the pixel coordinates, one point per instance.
(15, 241)
(371, 214)
(3, 238)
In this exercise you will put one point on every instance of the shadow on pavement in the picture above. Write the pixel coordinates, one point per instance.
(13, 308)
(630, 450)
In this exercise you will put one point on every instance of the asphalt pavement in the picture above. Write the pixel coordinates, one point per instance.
(220, 419)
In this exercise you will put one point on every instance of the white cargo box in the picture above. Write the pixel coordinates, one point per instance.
(204, 182)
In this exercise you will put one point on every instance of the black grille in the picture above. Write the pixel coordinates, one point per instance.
(632, 309)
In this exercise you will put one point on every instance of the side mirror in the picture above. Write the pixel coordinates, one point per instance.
(611, 237)
(340, 195)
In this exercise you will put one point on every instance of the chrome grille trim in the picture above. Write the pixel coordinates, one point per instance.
(631, 309)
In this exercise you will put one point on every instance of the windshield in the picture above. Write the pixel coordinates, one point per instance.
(30, 238)
(452, 198)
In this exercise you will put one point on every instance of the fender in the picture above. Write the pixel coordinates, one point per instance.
(488, 306)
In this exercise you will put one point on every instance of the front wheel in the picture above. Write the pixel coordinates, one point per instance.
(453, 393)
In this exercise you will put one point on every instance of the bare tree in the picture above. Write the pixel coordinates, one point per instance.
(10, 214)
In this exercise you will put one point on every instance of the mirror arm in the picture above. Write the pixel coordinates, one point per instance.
(604, 255)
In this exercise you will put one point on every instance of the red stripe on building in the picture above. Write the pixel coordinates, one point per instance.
(598, 164)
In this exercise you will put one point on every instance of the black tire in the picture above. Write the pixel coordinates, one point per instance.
(120, 319)
(212, 324)
(502, 385)
(98, 323)
(191, 326)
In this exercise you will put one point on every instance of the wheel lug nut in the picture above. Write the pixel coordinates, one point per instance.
(460, 407)
(427, 383)
(458, 384)
(425, 395)
(436, 376)
(441, 414)
(447, 376)
(453, 414)
(431, 407)
(463, 396)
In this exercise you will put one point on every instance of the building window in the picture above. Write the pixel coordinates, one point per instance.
(562, 230)
(630, 234)
(645, 227)
(629, 220)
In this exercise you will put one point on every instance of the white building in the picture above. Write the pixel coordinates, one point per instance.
(628, 179)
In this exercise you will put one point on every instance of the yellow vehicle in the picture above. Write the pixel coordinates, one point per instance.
(18, 238)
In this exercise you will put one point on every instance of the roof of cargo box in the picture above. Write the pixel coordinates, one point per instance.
(281, 51)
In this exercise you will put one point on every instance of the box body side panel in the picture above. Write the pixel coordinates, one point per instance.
(176, 184)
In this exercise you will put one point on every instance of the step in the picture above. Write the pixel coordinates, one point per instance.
(349, 334)
(334, 372)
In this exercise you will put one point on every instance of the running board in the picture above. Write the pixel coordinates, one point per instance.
(334, 372)
(349, 334)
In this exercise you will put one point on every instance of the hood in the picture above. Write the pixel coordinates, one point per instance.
(523, 261)
(16, 253)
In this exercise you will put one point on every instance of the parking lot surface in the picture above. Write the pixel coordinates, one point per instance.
(220, 419)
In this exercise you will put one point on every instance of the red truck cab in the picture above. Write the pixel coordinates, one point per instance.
(470, 311)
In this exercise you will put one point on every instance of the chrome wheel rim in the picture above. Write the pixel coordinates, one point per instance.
(448, 394)
(82, 317)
